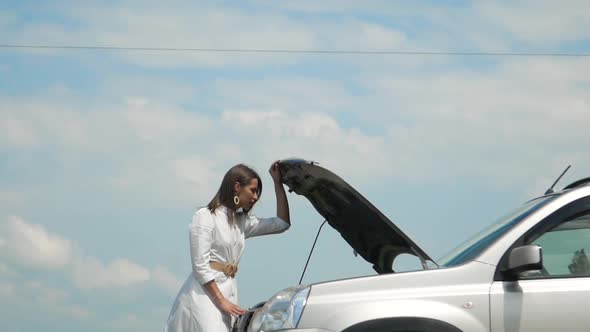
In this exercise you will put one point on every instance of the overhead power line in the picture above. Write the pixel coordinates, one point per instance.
(245, 50)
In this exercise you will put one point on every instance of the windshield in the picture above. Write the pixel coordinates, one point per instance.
(482, 240)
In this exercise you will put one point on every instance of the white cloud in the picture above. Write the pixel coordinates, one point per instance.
(14, 132)
(56, 301)
(377, 37)
(452, 120)
(137, 25)
(10, 197)
(4, 269)
(159, 133)
(46, 295)
(74, 311)
(131, 322)
(538, 22)
(147, 89)
(31, 245)
(195, 171)
(179, 153)
(90, 273)
(35, 296)
(6, 289)
(7, 18)
(64, 119)
(166, 279)
(315, 136)
(154, 122)
(502, 26)
(139, 320)
(126, 320)
(31, 124)
(484, 25)
(287, 94)
(535, 93)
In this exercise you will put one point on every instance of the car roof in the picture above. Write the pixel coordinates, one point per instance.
(584, 182)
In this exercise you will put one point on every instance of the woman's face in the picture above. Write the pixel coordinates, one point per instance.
(249, 194)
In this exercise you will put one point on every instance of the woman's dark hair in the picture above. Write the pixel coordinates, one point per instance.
(225, 195)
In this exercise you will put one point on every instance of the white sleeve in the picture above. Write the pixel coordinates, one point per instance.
(200, 238)
(255, 226)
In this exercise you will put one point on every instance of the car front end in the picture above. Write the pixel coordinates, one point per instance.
(458, 295)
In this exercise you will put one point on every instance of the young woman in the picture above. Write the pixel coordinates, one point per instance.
(207, 302)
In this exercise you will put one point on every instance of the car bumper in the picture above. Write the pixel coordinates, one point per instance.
(242, 323)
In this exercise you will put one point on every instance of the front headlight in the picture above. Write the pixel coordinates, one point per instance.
(281, 311)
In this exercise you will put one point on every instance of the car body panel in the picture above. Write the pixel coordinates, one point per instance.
(540, 305)
(458, 296)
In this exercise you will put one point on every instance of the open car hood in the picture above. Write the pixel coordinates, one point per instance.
(370, 233)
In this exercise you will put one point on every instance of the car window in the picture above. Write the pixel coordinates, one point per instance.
(565, 248)
(481, 241)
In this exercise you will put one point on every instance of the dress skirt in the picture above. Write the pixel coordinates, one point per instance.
(193, 310)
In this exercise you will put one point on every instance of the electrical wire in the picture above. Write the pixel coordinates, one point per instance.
(288, 51)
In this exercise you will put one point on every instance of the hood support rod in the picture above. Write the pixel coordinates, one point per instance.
(311, 251)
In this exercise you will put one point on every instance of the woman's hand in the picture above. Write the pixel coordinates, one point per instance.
(220, 301)
(282, 203)
(229, 308)
(274, 171)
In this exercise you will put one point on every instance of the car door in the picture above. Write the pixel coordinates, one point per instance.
(556, 298)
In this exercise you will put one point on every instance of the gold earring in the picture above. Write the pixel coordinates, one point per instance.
(236, 200)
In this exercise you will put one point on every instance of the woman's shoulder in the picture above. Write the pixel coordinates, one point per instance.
(202, 210)
(202, 216)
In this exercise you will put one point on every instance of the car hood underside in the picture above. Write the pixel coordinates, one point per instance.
(370, 233)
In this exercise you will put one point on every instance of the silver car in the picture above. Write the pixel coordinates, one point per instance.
(527, 272)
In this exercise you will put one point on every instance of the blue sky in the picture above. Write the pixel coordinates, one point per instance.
(105, 155)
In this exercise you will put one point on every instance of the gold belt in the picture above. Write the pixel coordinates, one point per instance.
(229, 270)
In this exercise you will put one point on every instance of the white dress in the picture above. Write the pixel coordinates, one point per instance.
(213, 238)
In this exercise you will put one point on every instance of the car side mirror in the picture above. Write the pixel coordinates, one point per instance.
(525, 258)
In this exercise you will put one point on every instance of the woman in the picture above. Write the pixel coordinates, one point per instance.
(208, 299)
